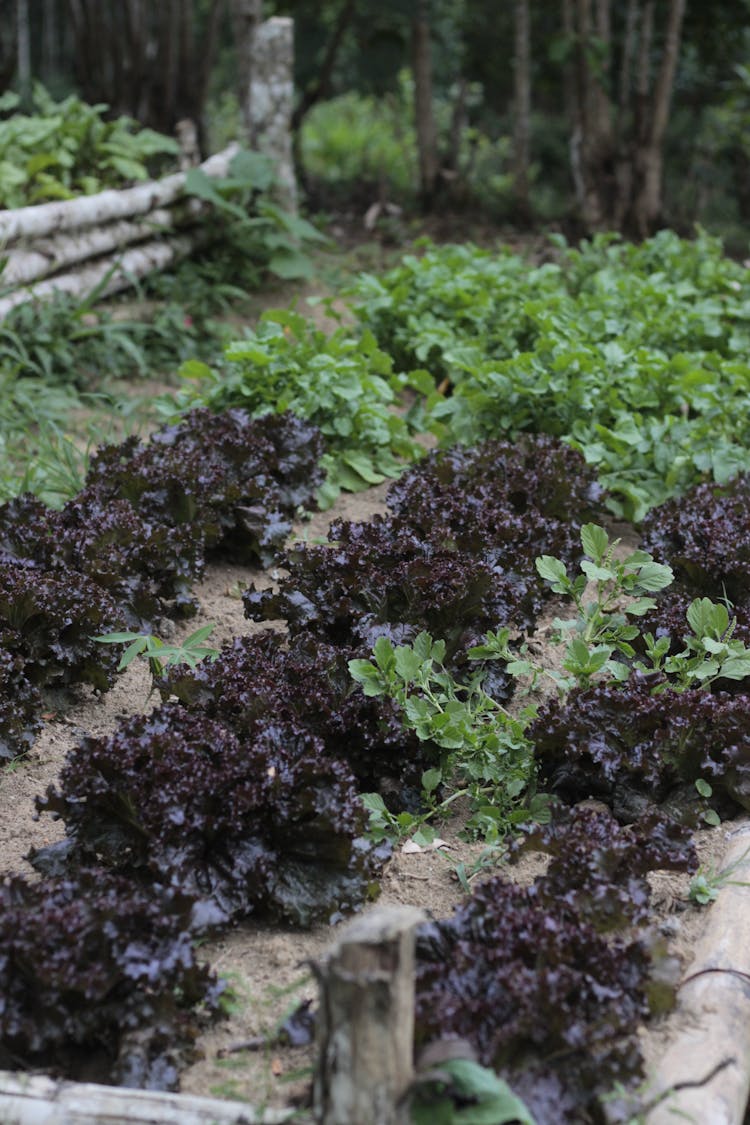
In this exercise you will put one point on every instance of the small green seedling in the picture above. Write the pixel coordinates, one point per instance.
(161, 655)
(599, 636)
(707, 881)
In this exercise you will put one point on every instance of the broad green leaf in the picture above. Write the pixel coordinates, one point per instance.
(597, 573)
(551, 569)
(431, 779)
(736, 668)
(408, 663)
(370, 678)
(706, 617)
(655, 576)
(384, 655)
(594, 541)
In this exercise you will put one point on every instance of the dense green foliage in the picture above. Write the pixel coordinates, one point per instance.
(636, 355)
(68, 148)
(342, 382)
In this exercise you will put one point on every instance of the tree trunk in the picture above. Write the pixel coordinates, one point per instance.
(150, 61)
(647, 202)
(272, 103)
(8, 43)
(617, 150)
(23, 33)
(522, 110)
(423, 110)
(246, 17)
(319, 89)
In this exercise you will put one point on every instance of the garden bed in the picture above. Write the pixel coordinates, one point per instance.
(480, 660)
(267, 965)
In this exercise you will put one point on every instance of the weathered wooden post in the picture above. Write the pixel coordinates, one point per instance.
(366, 1021)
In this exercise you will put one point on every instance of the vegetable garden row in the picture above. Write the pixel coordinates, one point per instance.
(273, 778)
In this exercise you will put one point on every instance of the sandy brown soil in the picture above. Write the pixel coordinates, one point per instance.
(268, 967)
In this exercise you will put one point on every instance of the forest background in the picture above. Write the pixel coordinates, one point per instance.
(582, 114)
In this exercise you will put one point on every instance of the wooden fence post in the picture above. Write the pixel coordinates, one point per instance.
(366, 1021)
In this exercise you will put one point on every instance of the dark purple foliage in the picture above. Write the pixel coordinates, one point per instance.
(513, 975)
(263, 821)
(147, 567)
(506, 502)
(379, 578)
(456, 559)
(50, 618)
(234, 480)
(307, 682)
(20, 705)
(599, 869)
(99, 980)
(633, 749)
(705, 536)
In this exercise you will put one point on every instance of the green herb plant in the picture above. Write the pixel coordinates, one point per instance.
(341, 382)
(636, 355)
(711, 652)
(159, 654)
(708, 881)
(606, 594)
(67, 148)
(482, 754)
(441, 1095)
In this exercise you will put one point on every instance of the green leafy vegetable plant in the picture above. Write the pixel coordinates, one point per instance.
(634, 355)
(67, 148)
(342, 382)
(711, 651)
(483, 754)
(606, 593)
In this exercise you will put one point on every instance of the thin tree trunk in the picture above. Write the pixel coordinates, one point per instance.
(8, 43)
(522, 110)
(246, 16)
(423, 110)
(23, 33)
(647, 204)
(320, 87)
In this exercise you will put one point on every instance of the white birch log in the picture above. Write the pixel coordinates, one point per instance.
(48, 255)
(45, 219)
(127, 268)
(38, 1100)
